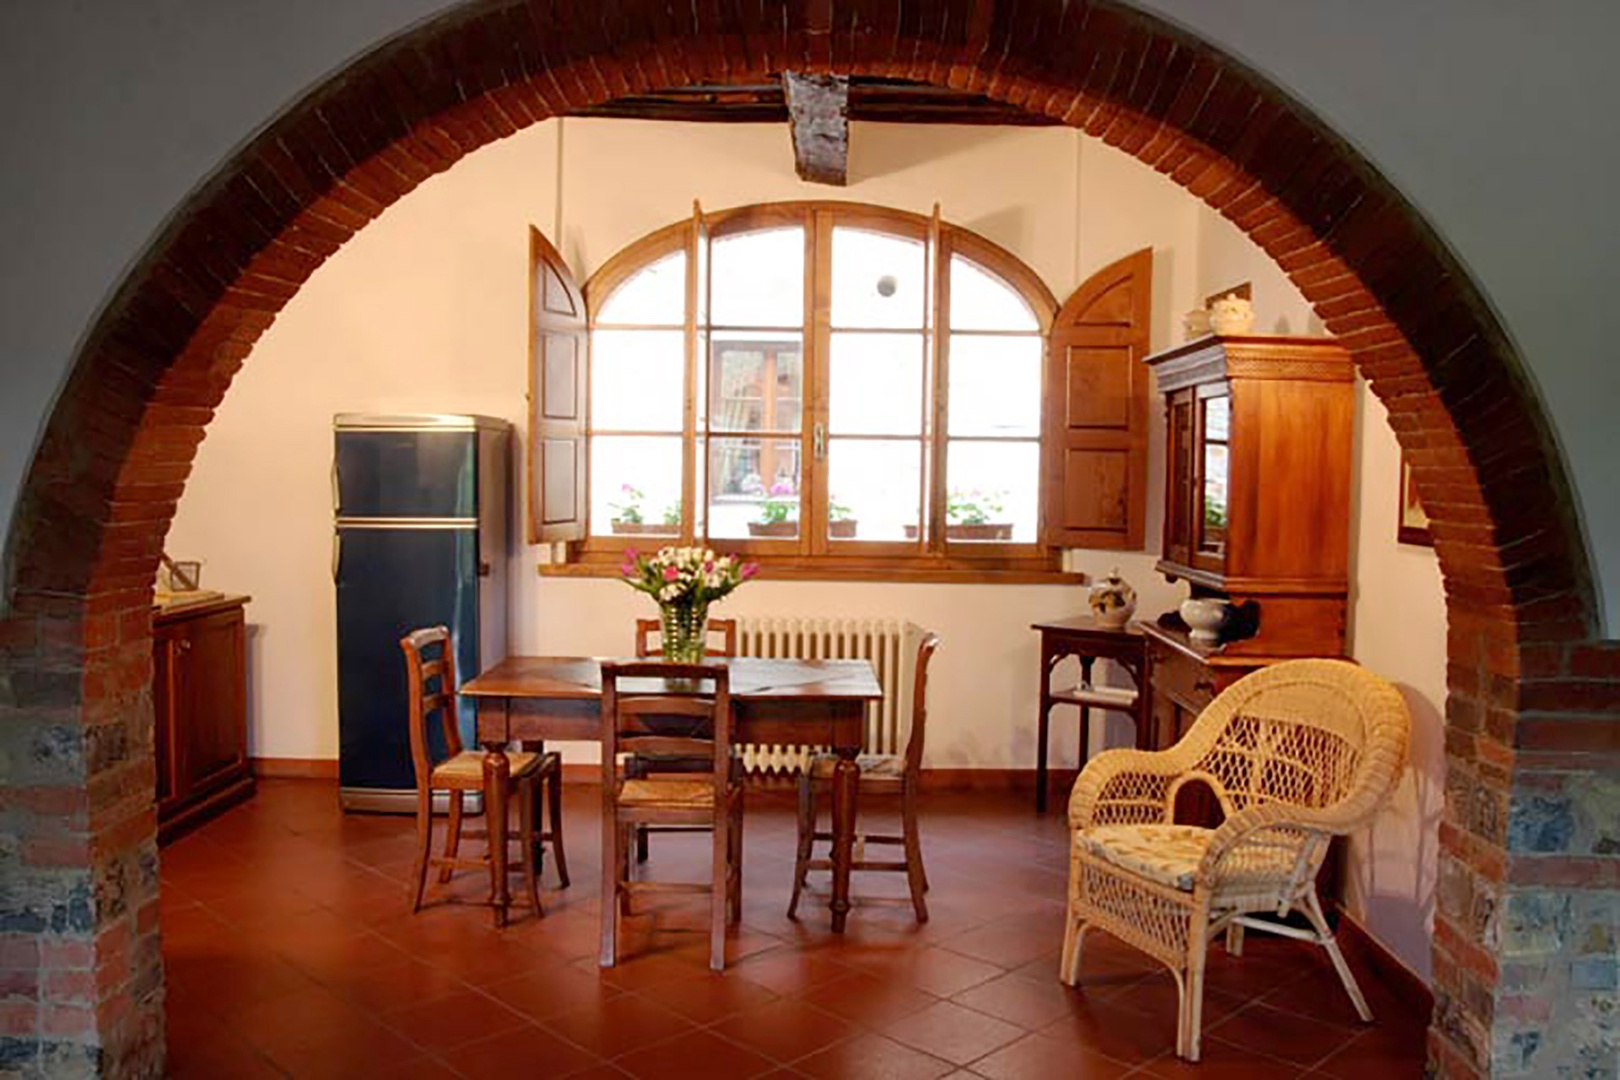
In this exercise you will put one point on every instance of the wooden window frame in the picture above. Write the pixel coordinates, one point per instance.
(812, 555)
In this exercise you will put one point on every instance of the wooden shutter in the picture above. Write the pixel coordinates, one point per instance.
(559, 373)
(1097, 410)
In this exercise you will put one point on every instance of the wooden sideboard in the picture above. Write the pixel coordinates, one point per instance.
(199, 698)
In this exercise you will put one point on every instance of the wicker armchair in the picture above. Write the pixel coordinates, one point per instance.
(1296, 754)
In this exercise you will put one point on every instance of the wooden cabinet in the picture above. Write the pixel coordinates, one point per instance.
(1258, 492)
(199, 698)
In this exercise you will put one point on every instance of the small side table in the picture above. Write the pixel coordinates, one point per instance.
(1083, 639)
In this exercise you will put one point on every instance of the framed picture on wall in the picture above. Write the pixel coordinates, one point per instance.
(1412, 524)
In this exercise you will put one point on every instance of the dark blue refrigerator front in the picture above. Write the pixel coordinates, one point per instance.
(421, 523)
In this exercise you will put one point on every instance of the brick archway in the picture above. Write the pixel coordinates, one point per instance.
(1531, 708)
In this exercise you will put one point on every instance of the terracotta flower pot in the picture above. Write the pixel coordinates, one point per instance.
(989, 530)
(842, 529)
(773, 528)
(644, 528)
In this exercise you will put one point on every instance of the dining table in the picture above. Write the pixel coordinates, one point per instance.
(774, 701)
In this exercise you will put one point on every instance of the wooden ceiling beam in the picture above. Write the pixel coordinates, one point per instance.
(818, 112)
(870, 99)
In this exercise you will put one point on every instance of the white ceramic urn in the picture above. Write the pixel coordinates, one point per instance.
(1205, 617)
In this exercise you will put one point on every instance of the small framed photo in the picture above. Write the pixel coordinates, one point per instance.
(1412, 524)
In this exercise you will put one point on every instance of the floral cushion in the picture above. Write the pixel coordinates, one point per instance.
(1170, 854)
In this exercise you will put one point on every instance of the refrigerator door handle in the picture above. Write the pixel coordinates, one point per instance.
(337, 488)
(337, 553)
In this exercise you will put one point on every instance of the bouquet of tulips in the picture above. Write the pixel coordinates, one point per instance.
(685, 575)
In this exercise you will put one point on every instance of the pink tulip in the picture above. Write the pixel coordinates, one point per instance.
(749, 569)
(670, 573)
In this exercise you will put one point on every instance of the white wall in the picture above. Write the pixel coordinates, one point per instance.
(426, 311)
(1397, 624)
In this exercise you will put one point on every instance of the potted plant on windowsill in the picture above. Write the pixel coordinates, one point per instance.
(840, 521)
(778, 514)
(629, 519)
(971, 515)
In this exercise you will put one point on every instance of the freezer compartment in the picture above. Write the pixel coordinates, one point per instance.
(402, 474)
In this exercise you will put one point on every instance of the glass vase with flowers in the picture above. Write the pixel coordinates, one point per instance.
(684, 581)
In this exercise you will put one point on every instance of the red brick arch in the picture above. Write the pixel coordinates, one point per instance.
(1528, 685)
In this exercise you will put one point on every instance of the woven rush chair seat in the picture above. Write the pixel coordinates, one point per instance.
(1296, 753)
(659, 791)
(468, 766)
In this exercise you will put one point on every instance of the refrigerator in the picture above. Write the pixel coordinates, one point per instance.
(422, 517)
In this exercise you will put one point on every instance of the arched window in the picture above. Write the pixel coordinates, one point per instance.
(824, 385)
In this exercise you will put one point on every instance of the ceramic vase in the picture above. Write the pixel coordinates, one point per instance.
(1112, 601)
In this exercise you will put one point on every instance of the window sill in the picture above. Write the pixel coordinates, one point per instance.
(947, 573)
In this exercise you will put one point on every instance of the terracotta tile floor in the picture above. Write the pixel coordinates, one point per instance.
(290, 952)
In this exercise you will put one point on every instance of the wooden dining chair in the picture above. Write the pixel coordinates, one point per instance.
(666, 721)
(430, 671)
(648, 629)
(881, 774)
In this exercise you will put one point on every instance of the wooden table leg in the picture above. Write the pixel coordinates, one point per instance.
(1043, 732)
(497, 774)
(846, 789)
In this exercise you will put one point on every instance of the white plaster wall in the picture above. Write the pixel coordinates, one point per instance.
(1397, 624)
(426, 311)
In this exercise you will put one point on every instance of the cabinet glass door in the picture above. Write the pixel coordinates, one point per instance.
(1214, 468)
(1178, 530)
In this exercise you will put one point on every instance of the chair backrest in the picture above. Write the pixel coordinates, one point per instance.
(682, 711)
(1324, 734)
(725, 628)
(431, 688)
(919, 701)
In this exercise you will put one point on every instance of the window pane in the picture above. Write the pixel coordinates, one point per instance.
(637, 380)
(875, 489)
(1212, 536)
(877, 280)
(756, 487)
(876, 384)
(635, 481)
(757, 278)
(995, 385)
(655, 295)
(993, 483)
(982, 301)
(758, 382)
(1217, 418)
